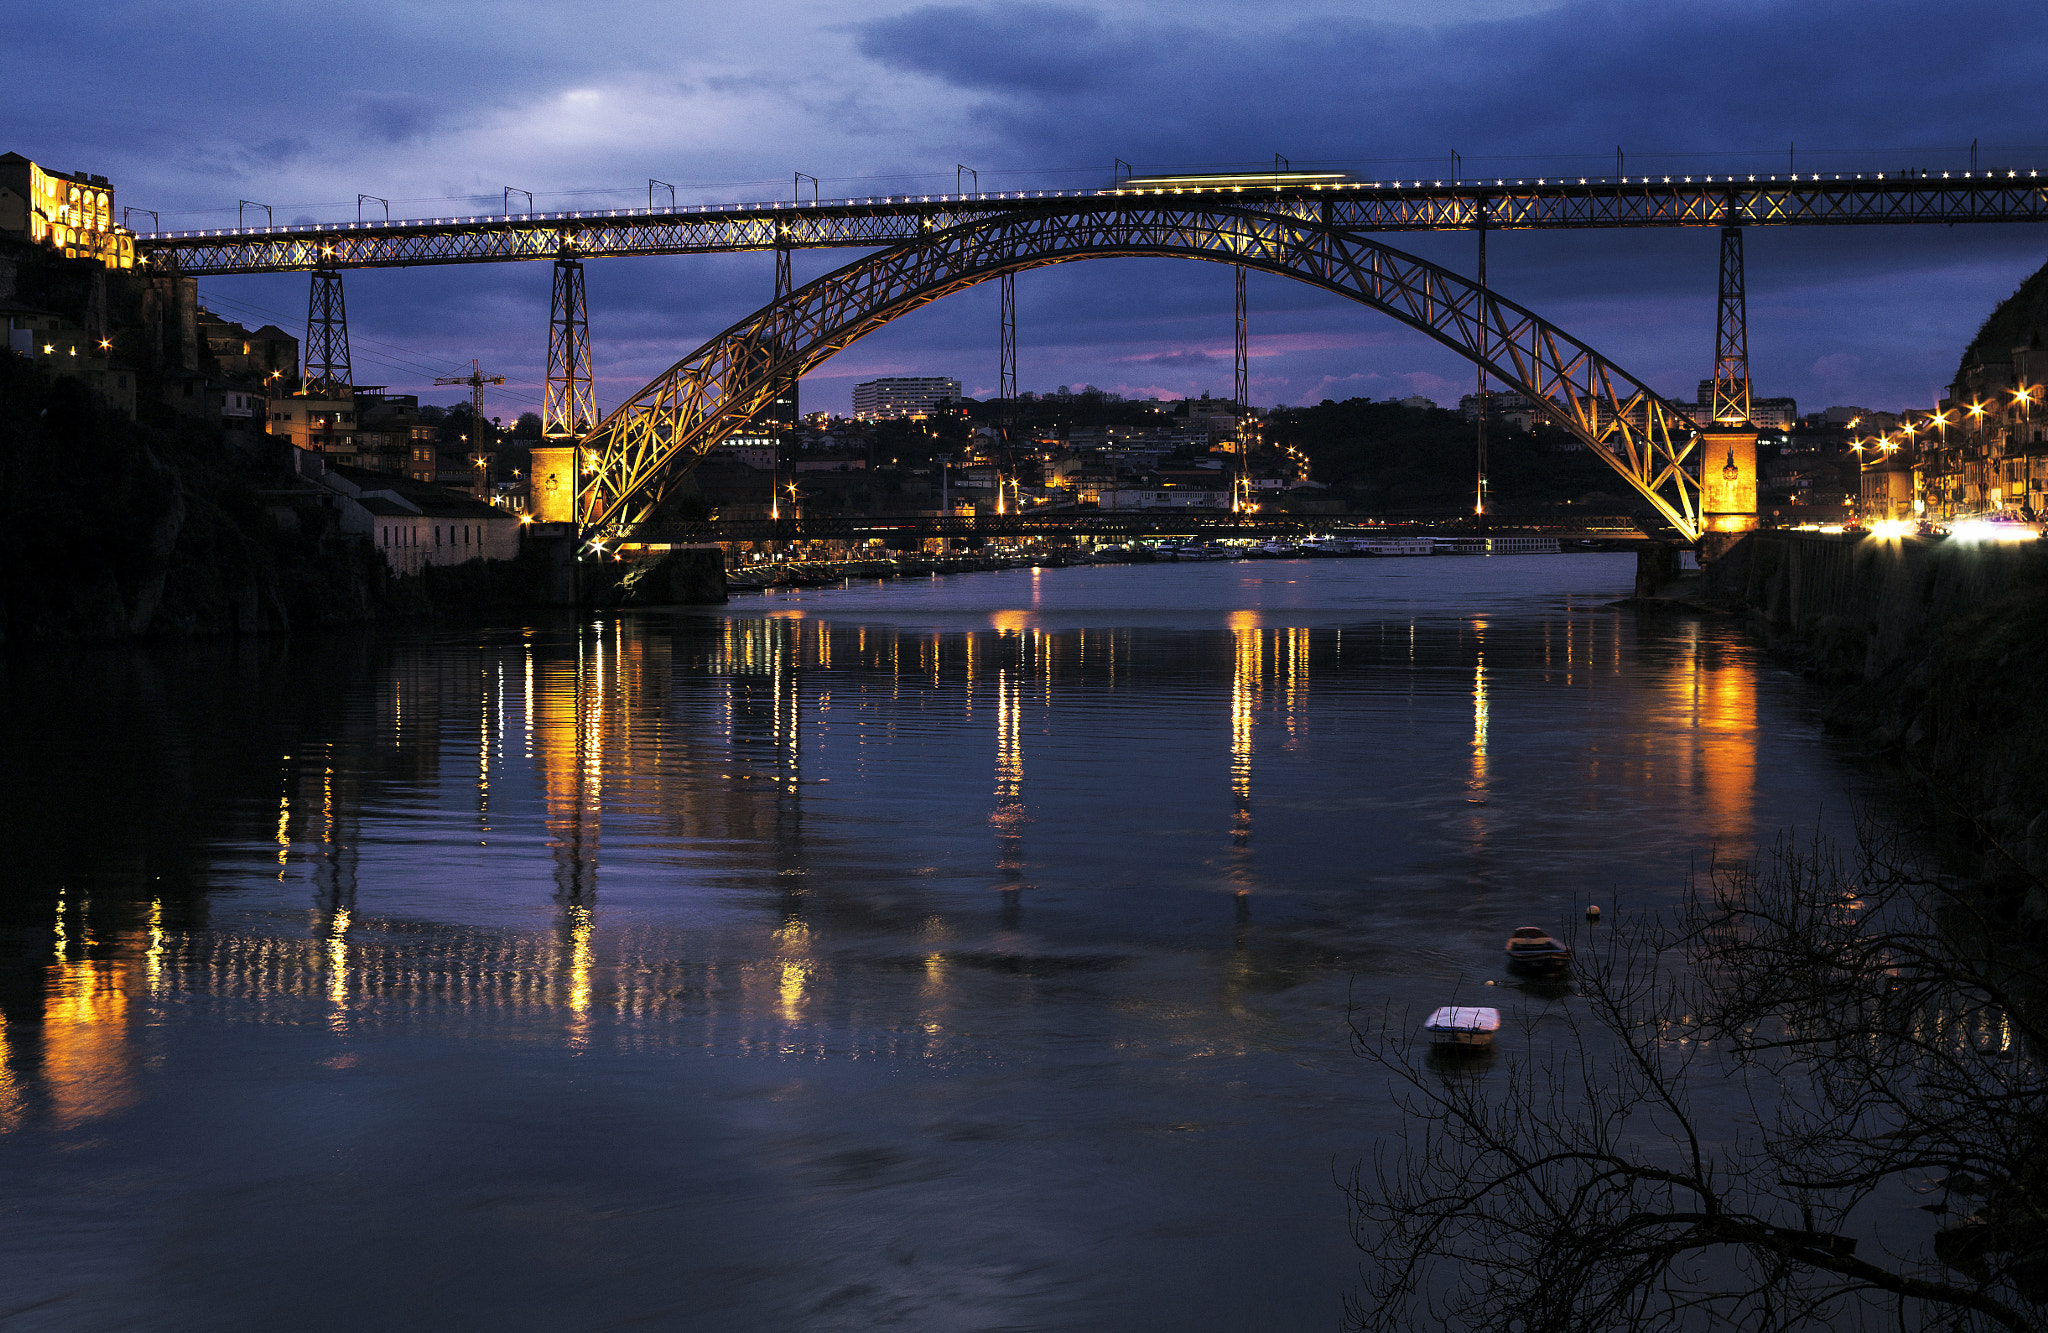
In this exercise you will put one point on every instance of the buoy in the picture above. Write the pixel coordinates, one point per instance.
(1592, 912)
(1489, 983)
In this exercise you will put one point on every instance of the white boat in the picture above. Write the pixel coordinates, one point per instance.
(1278, 547)
(1457, 1025)
(1398, 546)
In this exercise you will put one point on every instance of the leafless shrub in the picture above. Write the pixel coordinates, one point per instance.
(1726, 1123)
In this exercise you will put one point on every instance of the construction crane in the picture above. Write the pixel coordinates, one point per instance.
(479, 456)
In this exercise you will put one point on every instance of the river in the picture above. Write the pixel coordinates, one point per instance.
(970, 953)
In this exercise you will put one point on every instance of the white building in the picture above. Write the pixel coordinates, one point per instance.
(909, 396)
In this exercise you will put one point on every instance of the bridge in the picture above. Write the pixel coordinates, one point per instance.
(1116, 525)
(1549, 203)
(610, 476)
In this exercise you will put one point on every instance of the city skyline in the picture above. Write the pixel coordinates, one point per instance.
(431, 110)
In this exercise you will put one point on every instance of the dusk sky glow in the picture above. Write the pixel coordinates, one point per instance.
(439, 107)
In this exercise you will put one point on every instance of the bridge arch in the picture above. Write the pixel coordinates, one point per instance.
(639, 451)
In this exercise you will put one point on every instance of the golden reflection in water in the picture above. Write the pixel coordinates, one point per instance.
(1246, 679)
(1715, 686)
(11, 1092)
(1480, 706)
(581, 925)
(87, 1066)
(565, 717)
(1009, 815)
(1297, 651)
(153, 956)
(793, 941)
(284, 825)
(337, 970)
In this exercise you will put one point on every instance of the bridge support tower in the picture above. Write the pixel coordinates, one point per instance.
(1728, 445)
(327, 369)
(569, 402)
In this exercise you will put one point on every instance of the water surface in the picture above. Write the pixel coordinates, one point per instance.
(970, 953)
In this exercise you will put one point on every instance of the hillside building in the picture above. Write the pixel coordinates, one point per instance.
(72, 214)
(915, 397)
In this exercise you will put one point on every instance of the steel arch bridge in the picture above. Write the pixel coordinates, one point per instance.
(634, 457)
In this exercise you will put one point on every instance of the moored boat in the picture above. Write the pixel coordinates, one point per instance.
(1458, 1025)
(1532, 950)
(1402, 546)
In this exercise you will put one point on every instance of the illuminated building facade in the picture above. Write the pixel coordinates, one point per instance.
(72, 214)
(915, 397)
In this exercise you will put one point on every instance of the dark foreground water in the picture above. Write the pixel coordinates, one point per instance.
(971, 954)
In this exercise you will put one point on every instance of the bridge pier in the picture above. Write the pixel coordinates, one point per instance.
(326, 361)
(1728, 445)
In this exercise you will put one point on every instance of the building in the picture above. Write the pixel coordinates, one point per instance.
(71, 214)
(267, 356)
(413, 525)
(392, 435)
(1507, 406)
(913, 397)
(59, 347)
(1766, 413)
(317, 424)
(756, 451)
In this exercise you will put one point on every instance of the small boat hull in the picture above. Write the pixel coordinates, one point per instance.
(1462, 1026)
(1531, 952)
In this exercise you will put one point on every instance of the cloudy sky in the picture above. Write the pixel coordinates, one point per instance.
(438, 106)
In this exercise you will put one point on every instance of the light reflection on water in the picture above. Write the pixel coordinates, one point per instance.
(958, 954)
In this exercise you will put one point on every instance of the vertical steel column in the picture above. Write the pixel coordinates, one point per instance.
(327, 364)
(569, 402)
(1731, 337)
(786, 392)
(1240, 389)
(1479, 496)
(1006, 373)
(1240, 385)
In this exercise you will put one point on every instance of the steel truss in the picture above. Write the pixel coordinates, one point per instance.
(327, 360)
(1731, 337)
(1066, 524)
(1375, 206)
(569, 403)
(646, 445)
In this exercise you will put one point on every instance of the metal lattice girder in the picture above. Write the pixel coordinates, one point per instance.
(1730, 406)
(569, 402)
(645, 446)
(1364, 206)
(327, 367)
(1006, 353)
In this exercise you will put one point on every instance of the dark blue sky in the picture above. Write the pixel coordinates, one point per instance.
(302, 106)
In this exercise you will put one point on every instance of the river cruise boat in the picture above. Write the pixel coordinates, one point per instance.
(1402, 546)
(1533, 952)
(1457, 1025)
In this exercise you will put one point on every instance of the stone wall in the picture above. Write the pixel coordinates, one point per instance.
(1936, 653)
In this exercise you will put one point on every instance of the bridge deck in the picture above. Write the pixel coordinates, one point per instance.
(1115, 525)
(1840, 199)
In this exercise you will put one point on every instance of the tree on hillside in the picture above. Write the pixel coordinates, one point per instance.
(1387, 455)
(1816, 1101)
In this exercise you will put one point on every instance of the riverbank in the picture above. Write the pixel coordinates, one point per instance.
(1935, 653)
